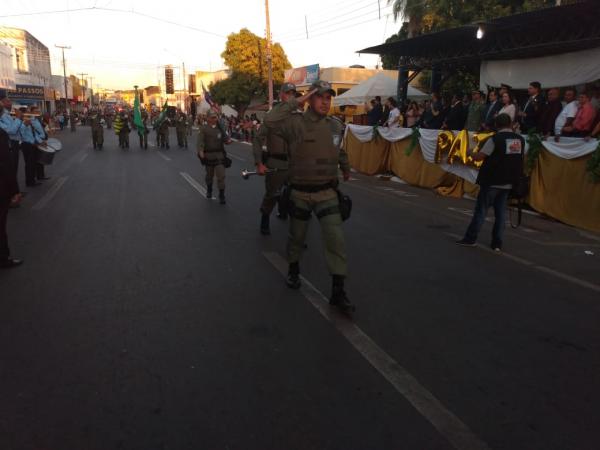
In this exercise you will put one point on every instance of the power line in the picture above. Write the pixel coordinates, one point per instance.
(122, 11)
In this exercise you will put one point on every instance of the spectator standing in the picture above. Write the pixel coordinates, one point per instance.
(475, 112)
(413, 114)
(374, 112)
(455, 119)
(491, 111)
(508, 106)
(502, 168)
(533, 108)
(394, 118)
(550, 112)
(9, 191)
(567, 114)
(584, 119)
(433, 117)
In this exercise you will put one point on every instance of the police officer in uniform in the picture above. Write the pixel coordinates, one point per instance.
(502, 157)
(143, 134)
(274, 160)
(97, 129)
(314, 143)
(211, 151)
(181, 127)
(163, 133)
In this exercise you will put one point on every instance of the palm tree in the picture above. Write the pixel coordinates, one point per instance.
(413, 10)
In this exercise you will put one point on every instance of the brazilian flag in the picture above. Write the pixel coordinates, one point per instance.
(137, 115)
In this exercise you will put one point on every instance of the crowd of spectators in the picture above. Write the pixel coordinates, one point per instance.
(555, 112)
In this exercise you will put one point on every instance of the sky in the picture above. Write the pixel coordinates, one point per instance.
(119, 45)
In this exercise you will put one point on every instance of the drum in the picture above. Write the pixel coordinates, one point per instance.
(54, 144)
(45, 155)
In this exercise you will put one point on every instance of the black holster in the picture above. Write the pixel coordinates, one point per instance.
(285, 205)
(345, 205)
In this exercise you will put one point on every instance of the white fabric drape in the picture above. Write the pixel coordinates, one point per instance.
(394, 134)
(362, 132)
(568, 69)
(566, 148)
(570, 148)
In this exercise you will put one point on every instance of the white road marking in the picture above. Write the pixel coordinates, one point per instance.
(163, 156)
(42, 202)
(563, 276)
(447, 424)
(404, 194)
(82, 159)
(187, 177)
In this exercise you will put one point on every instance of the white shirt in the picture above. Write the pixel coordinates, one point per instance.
(569, 111)
(510, 110)
(393, 121)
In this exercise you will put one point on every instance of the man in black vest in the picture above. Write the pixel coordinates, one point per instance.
(502, 167)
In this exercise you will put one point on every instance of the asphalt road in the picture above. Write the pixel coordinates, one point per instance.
(147, 317)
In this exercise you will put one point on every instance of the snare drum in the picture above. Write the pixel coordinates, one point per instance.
(45, 155)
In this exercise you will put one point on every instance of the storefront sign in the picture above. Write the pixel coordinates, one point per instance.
(302, 76)
(27, 91)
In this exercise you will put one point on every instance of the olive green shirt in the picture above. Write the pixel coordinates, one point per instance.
(290, 124)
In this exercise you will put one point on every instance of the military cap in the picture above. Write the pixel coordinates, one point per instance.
(211, 113)
(288, 87)
(322, 87)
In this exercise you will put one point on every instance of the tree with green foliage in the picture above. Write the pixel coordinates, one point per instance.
(245, 55)
(238, 90)
(425, 16)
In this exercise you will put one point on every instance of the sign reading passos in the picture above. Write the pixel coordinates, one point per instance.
(27, 91)
(302, 75)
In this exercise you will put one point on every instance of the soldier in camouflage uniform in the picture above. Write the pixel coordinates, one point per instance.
(211, 151)
(181, 127)
(274, 162)
(314, 143)
(97, 129)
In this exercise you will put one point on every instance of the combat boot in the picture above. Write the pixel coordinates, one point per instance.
(264, 225)
(222, 196)
(209, 191)
(293, 277)
(338, 296)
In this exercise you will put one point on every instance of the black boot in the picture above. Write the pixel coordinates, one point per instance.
(209, 191)
(293, 278)
(222, 196)
(339, 297)
(264, 225)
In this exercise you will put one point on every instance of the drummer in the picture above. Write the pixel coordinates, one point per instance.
(29, 150)
(40, 136)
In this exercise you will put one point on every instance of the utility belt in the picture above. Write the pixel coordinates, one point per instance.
(220, 150)
(312, 188)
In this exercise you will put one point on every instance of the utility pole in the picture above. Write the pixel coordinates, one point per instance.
(63, 47)
(82, 86)
(269, 55)
(185, 96)
(92, 88)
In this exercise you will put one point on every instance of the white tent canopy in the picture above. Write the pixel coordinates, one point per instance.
(567, 69)
(227, 110)
(379, 84)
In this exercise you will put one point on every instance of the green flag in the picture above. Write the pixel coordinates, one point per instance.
(137, 115)
(162, 115)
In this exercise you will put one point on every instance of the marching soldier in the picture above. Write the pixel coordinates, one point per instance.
(314, 143)
(163, 133)
(143, 134)
(274, 162)
(181, 126)
(122, 129)
(97, 129)
(72, 118)
(211, 151)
